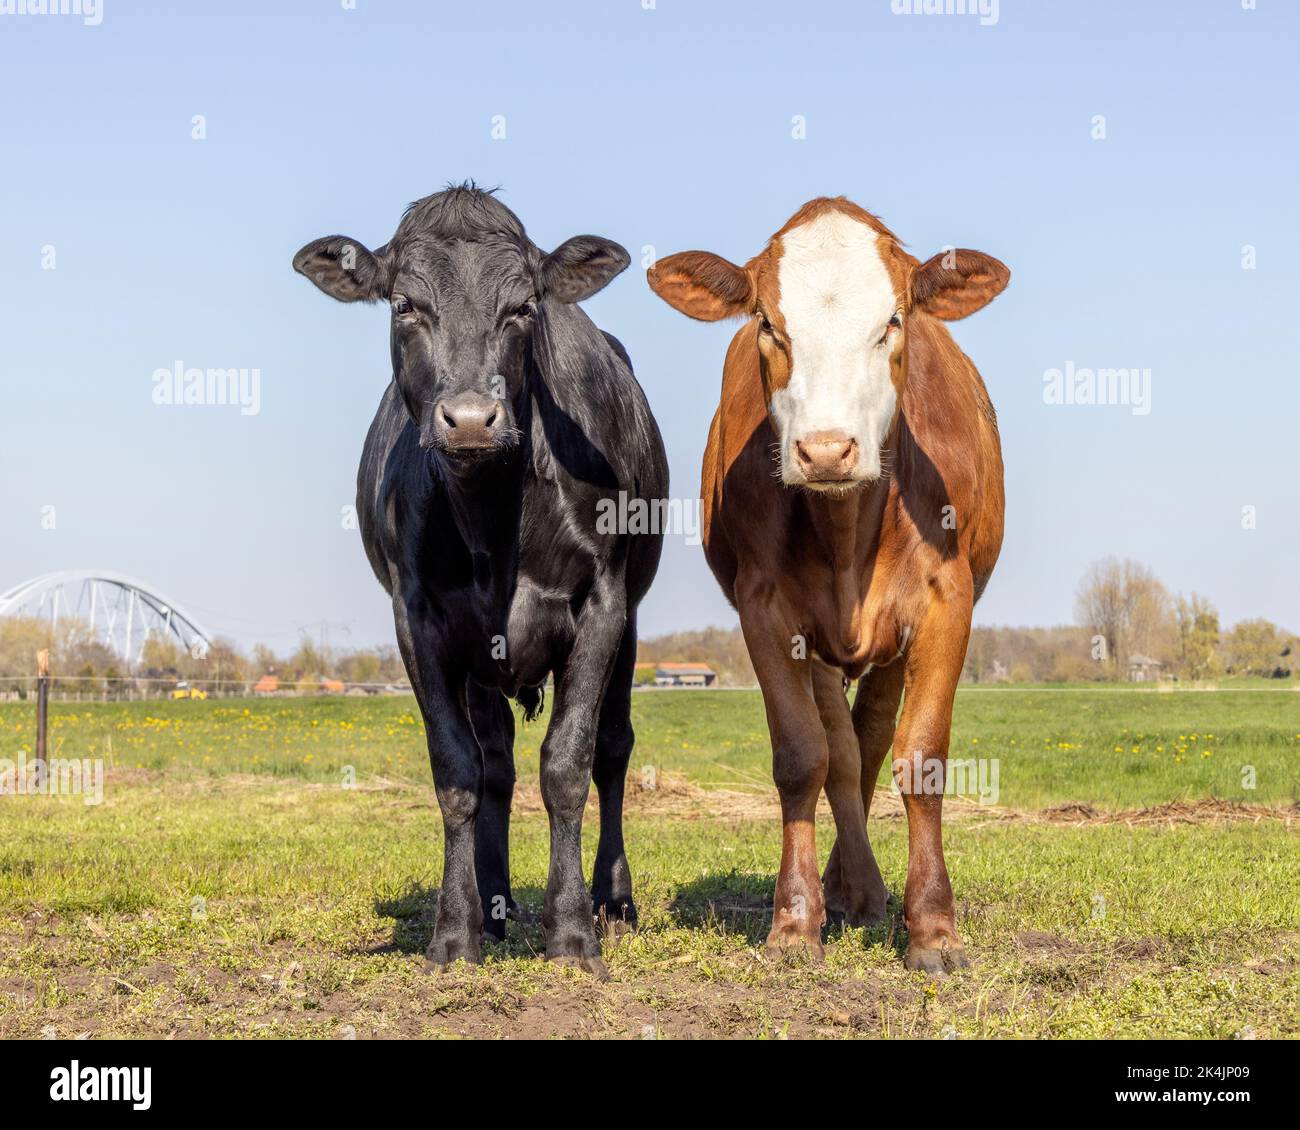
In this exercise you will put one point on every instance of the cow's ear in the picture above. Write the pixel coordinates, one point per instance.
(702, 285)
(581, 266)
(344, 268)
(956, 283)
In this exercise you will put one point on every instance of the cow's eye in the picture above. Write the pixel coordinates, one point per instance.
(763, 324)
(895, 323)
(526, 310)
(401, 306)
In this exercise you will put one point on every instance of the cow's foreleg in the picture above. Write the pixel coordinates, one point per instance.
(611, 878)
(800, 758)
(567, 754)
(933, 668)
(457, 764)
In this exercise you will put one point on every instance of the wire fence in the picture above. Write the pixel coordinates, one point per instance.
(130, 688)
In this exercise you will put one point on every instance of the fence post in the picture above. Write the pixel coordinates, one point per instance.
(42, 702)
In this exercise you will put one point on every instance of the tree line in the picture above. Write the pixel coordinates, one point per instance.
(75, 654)
(1127, 623)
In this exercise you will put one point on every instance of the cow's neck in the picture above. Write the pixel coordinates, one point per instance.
(486, 504)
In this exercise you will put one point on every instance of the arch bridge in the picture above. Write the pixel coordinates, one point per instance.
(122, 612)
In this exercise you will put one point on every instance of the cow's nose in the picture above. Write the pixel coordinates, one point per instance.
(469, 421)
(826, 456)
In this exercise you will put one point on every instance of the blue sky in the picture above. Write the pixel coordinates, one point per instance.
(669, 128)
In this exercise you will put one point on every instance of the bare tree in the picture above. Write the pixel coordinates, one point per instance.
(1125, 604)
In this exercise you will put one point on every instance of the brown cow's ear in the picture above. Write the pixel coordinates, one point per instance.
(956, 283)
(344, 268)
(702, 285)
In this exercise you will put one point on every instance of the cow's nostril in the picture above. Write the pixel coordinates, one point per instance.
(492, 417)
(446, 417)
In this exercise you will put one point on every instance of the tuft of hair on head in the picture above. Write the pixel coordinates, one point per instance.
(461, 211)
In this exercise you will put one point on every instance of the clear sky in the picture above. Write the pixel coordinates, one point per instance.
(669, 128)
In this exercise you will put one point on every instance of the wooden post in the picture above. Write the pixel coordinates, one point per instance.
(42, 701)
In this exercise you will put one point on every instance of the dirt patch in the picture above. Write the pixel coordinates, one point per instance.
(1039, 941)
(673, 796)
(1175, 812)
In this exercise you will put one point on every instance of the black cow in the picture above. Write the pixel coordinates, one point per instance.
(509, 420)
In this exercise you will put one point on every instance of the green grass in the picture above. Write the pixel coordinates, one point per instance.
(1113, 748)
(230, 885)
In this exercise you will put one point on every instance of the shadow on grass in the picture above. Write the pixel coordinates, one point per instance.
(735, 903)
(414, 910)
(740, 904)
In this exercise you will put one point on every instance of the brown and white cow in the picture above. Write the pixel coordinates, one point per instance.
(853, 512)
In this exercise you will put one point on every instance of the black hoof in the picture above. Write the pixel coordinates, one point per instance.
(494, 923)
(443, 952)
(614, 920)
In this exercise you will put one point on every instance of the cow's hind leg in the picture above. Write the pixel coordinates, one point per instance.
(494, 725)
(875, 710)
(611, 879)
(855, 892)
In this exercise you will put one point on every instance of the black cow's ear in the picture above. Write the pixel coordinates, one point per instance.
(581, 266)
(344, 269)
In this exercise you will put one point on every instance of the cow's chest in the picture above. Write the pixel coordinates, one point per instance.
(554, 573)
(862, 616)
(856, 630)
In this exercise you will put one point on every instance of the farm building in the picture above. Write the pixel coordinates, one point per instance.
(684, 675)
(1144, 669)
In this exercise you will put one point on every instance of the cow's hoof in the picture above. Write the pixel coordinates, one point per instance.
(494, 922)
(614, 921)
(794, 948)
(937, 961)
(443, 952)
(590, 965)
(432, 968)
(867, 909)
(862, 916)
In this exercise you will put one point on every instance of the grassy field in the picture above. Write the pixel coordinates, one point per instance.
(1138, 875)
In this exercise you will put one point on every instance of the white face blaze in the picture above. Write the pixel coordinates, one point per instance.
(837, 300)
